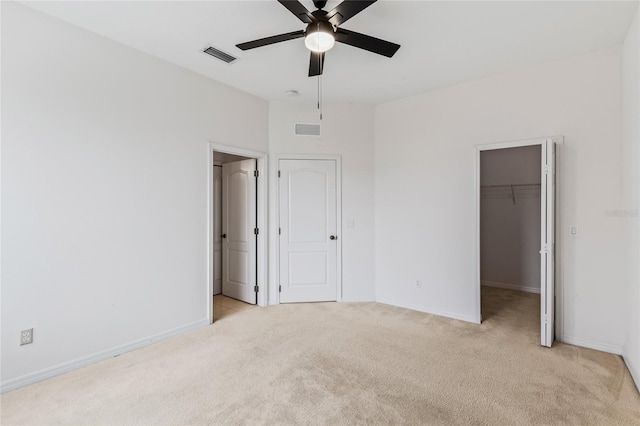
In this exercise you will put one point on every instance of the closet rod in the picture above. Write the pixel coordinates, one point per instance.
(515, 185)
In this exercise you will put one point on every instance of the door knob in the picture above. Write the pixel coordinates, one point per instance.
(224, 235)
(333, 237)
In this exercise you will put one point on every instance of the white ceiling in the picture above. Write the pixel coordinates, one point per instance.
(443, 43)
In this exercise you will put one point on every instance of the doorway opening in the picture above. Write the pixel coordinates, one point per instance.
(237, 250)
(516, 236)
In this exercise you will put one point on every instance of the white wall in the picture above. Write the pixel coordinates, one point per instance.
(347, 130)
(631, 184)
(424, 193)
(510, 231)
(104, 192)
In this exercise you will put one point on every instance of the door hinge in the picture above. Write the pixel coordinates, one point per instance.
(280, 289)
(256, 231)
(278, 173)
(279, 231)
(546, 169)
(256, 288)
(256, 173)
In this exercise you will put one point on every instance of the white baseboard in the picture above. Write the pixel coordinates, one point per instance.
(516, 287)
(585, 343)
(460, 317)
(65, 367)
(632, 367)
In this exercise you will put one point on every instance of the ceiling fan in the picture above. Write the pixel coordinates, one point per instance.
(323, 30)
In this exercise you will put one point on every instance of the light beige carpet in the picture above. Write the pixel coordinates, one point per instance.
(329, 363)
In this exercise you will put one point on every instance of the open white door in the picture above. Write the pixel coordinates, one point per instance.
(547, 251)
(239, 230)
(308, 231)
(217, 230)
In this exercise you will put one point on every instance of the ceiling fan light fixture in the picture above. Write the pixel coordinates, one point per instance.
(319, 37)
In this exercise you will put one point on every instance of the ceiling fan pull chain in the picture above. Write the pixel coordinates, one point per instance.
(320, 83)
(318, 105)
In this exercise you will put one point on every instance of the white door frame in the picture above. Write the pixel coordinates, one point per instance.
(262, 243)
(275, 294)
(558, 140)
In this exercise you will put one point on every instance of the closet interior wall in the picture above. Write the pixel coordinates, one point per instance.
(510, 218)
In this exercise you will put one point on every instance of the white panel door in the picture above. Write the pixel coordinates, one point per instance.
(547, 242)
(308, 231)
(217, 230)
(238, 224)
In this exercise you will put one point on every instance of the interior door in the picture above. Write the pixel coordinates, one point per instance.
(308, 231)
(217, 230)
(238, 225)
(547, 251)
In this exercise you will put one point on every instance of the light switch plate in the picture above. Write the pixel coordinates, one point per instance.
(573, 231)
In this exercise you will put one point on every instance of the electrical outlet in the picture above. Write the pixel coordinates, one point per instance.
(26, 337)
(418, 283)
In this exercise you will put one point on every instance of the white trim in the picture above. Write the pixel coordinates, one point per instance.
(338, 159)
(450, 315)
(559, 277)
(476, 226)
(591, 344)
(75, 364)
(517, 144)
(515, 287)
(262, 245)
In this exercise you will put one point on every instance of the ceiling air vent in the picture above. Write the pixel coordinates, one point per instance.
(307, 129)
(217, 53)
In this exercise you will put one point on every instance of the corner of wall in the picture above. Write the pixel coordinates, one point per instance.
(632, 367)
(631, 184)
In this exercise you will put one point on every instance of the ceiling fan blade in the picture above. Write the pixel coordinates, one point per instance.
(270, 40)
(372, 44)
(347, 10)
(297, 8)
(316, 64)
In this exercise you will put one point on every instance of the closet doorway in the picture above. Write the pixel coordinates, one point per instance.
(516, 234)
(236, 214)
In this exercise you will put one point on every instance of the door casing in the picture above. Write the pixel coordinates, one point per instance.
(559, 296)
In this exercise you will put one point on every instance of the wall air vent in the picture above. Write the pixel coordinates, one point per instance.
(307, 129)
(217, 53)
